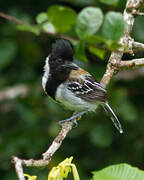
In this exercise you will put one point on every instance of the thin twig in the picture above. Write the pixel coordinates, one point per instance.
(138, 46)
(18, 166)
(135, 63)
(17, 21)
(12, 19)
(66, 127)
(138, 13)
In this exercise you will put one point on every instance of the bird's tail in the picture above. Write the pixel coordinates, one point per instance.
(113, 117)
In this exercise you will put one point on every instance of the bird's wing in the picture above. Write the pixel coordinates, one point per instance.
(88, 89)
(83, 85)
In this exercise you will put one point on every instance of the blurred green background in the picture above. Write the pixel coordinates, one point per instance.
(29, 122)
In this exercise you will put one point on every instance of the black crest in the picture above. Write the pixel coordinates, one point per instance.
(62, 49)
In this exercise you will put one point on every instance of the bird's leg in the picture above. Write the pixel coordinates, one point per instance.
(76, 116)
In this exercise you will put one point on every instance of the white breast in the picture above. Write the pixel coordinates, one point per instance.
(46, 73)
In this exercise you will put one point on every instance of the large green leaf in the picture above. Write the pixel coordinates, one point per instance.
(89, 21)
(98, 52)
(109, 2)
(119, 172)
(62, 17)
(113, 27)
(42, 17)
(95, 39)
(48, 27)
(45, 23)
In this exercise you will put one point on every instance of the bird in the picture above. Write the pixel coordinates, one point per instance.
(71, 86)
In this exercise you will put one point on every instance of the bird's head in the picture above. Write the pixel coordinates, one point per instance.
(61, 57)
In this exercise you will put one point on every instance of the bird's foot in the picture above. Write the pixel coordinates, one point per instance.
(75, 124)
(74, 118)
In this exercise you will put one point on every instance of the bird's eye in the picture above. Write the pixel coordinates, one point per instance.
(59, 61)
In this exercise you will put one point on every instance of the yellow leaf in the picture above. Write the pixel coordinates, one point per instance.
(30, 177)
(66, 161)
(75, 172)
(54, 173)
(63, 169)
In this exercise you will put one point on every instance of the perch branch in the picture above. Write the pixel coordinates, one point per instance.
(66, 127)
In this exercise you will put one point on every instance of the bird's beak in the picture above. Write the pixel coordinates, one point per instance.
(70, 65)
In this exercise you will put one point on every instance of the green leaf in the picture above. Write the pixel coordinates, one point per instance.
(49, 27)
(95, 39)
(7, 53)
(114, 26)
(89, 21)
(79, 48)
(42, 17)
(62, 17)
(109, 2)
(98, 52)
(119, 172)
(30, 28)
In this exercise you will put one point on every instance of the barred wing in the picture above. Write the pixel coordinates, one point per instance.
(89, 89)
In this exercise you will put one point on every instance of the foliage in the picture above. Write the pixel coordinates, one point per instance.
(29, 123)
(88, 22)
(119, 172)
(114, 172)
(63, 169)
(114, 22)
(110, 2)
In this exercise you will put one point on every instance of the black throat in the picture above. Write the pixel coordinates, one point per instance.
(61, 52)
(54, 80)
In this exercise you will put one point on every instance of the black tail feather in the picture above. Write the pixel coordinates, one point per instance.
(113, 117)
